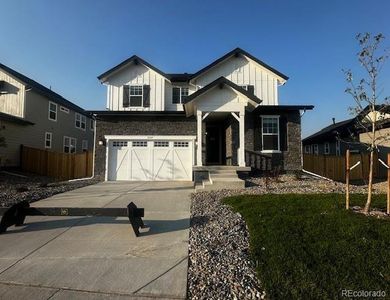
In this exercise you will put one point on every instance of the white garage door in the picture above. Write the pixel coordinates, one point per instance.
(150, 159)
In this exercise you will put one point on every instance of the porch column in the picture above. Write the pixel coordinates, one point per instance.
(199, 138)
(241, 150)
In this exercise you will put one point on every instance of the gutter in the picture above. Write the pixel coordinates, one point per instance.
(93, 153)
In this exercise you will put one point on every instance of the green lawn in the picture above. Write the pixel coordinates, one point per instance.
(310, 247)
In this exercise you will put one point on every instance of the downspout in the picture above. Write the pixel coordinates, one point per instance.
(93, 153)
(301, 114)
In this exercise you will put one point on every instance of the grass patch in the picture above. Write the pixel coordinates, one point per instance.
(310, 247)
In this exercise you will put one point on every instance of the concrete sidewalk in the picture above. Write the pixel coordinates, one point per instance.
(100, 257)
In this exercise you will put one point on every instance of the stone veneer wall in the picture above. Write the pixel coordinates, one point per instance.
(290, 157)
(134, 125)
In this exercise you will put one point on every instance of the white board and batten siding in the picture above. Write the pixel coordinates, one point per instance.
(136, 75)
(169, 105)
(12, 100)
(244, 71)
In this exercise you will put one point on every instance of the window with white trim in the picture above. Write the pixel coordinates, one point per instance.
(250, 88)
(69, 144)
(179, 94)
(48, 140)
(270, 133)
(64, 109)
(133, 95)
(52, 111)
(315, 149)
(84, 145)
(326, 148)
(307, 149)
(80, 121)
(338, 152)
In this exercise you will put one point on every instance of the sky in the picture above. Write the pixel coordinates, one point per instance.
(65, 45)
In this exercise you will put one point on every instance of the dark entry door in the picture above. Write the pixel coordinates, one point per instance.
(213, 145)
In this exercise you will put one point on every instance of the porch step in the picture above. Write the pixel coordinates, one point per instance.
(224, 179)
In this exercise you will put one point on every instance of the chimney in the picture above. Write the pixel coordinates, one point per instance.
(334, 121)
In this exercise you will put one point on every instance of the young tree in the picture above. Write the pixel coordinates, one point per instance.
(369, 103)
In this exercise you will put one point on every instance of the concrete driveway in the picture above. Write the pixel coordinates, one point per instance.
(100, 257)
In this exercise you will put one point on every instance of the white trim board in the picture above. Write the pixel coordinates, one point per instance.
(150, 137)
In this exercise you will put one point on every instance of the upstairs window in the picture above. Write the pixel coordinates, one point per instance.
(84, 145)
(69, 144)
(307, 149)
(80, 121)
(270, 133)
(326, 148)
(315, 149)
(52, 111)
(249, 88)
(48, 139)
(64, 109)
(179, 94)
(91, 124)
(136, 96)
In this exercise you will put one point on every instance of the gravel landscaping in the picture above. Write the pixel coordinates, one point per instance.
(14, 189)
(219, 262)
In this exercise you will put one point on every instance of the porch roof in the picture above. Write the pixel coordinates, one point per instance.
(220, 82)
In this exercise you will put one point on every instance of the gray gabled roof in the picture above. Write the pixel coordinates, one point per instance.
(39, 88)
(133, 59)
(330, 130)
(235, 52)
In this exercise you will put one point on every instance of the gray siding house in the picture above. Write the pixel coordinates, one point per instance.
(162, 126)
(35, 116)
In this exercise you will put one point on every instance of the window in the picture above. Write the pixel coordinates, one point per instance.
(161, 144)
(140, 144)
(326, 148)
(91, 125)
(80, 121)
(338, 152)
(307, 149)
(270, 133)
(249, 88)
(64, 109)
(315, 149)
(84, 145)
(179, 94)
(52, 111)
(69, 144)
(119, 144)
(180, 144)
(48, 139)
(132, 95)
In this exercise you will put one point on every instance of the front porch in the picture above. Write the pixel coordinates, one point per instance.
(220, 139)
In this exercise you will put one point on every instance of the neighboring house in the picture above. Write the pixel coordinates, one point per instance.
(35, 116)
(161, 126)
(336, 138)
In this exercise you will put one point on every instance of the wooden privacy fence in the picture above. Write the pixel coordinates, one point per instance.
(62, 166)
(333, 167)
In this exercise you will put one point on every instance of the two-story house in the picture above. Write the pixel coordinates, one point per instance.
(161, 126)
(35, 116)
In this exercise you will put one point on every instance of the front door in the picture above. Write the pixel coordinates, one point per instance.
(213, 145)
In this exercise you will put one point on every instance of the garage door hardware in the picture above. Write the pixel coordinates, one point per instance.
(16, 214)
